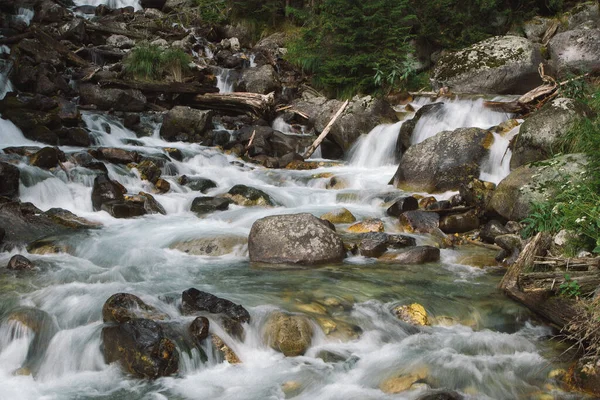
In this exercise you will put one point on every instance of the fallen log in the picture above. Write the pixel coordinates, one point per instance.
(237, 102)
(113, 31)
(161, 87)
(60, 48)
(323, 134)
(588, 281)
(537, 247)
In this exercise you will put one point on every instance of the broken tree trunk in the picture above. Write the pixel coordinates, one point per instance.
(323, 134)
(161, 87)
(550, 282)
(237, 102)
(537, 247)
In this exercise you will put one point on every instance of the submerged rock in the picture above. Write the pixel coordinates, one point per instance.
(207, 204)
(141, 347)
(198, 329)
(416, 255)
(105, 190)
(211, 246)
(19, 263)
(123, 209)
(499, 65)
(294, 238)
(197, 183)
(368, 225)
(445, 161)
(288, 334)
(226, 352)
(339, 216)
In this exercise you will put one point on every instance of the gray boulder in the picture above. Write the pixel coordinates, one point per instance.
(502, 64)
(294, 238)
(576, 51)
(9, 180)
(527, 184)
(418, 255)
(443, 162)
(261, 80)
(541, 133)
(185, 124)
(112, 98)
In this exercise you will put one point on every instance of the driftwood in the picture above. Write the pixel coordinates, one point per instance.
(569, 264)
(113, 31)
(588, 281)
(323, 134)
(60, 48)
(237, 102)
(537, 247)
(481, 244)
(161, 87)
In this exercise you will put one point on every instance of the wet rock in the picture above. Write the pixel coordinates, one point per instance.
(198, 329)
(477, 193)
(444, 161)
(441, 395)
(9, 180)
(151, 205)
(162, 186)
(339, 216)
(185, 124)
(197, 183)
(459, 223)
(368, 225)
(112, 98)
(406, 130)
(248, 196)
(141, 347)
(116, 155)
(70, 220)
(226, 352)
(402, 205)
(491, 230)
(391, 240)
(105, 190)
(149, 171)
(511, 245)
(207, 204)
(122, 307)
(123, 209)
(73, 137)
(211, 246)
(261, 80)
(194, 300)
(499, 65)
(120, 42)
(419, 221)
(525, 185)
(47, 157)
(575, 51)
(174, 153)
(418, 255)
(413, 314)
(398, 384)
(372, 247)
(294, 238)
(19, 263)
(542, 133)
(288, 334)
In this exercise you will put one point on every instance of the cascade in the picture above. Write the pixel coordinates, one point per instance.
(110, 3)
(225, 80)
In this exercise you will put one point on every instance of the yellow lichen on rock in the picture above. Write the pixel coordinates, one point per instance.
(339, 216)
(368, 225)
(413, 314)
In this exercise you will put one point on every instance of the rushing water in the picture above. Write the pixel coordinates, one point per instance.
(479, 343)
(114, 4)
(225, 80)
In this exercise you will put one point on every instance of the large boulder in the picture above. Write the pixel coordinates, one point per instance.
(105, 190)
(502, 64)
(540, 135)
(186, 124)
(289, 334)
(514, 195)
(261, 80)
(294, 238)
(360, 116)
(112, 98)
(9, 180)
(445, 161)
(141, 347)
(576, 51)
(122, 307)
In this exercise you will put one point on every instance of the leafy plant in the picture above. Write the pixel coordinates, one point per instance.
(569, 288)
(212, 12)
(175, 61)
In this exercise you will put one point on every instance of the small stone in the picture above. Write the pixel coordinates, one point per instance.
(228, 354)
(339, 216)
(19, 263)
(199, 329)
(162, 186)
(368, 225)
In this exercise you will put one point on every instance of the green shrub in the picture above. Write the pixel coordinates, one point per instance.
(569, 288)
(150, 62)
(212, 12)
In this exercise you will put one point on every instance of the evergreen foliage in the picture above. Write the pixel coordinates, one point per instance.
(148, 62)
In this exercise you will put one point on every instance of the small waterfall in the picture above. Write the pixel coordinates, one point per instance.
(251, 59)
(15, 339)
(377, 148)
(114, 4)
(497, 166)
(225, 81)
(208, 52)
(106, 131)
(25, 15)
(280, 125)
(454, 114)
